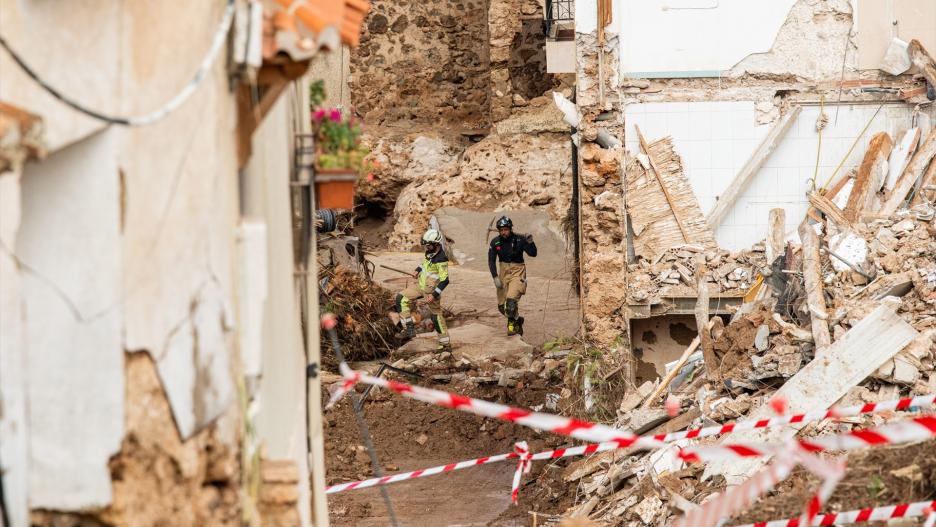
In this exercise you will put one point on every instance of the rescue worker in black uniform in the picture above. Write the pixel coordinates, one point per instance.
(510, 281)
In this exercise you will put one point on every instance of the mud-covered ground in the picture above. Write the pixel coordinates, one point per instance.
(410, 435)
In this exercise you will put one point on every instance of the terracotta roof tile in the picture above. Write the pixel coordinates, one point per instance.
(301, 27)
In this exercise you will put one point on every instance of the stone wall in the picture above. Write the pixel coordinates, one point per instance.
(503, 171)
(423, 63)
(603, 263)
(452, 97)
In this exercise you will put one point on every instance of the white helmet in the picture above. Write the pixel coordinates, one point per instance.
(431, 236)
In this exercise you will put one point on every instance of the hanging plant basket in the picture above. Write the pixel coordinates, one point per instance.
(334, 187)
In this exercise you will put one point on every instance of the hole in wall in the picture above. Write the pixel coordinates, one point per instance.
(662, 340)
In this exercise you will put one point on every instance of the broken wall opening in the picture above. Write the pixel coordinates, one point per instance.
(659, 340)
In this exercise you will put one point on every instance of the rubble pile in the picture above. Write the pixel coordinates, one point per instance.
(672, 273)
(482, 357)
(878, 279)
(361, 307)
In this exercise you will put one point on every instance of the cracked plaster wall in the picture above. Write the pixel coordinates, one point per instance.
(69, 244)
(14, 439)
(128, 237)
(33, 30)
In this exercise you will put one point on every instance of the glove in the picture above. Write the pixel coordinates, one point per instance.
(529, 238)
(498, 283)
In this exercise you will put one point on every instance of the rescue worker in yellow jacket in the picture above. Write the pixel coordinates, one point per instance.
(432, 278)
(511, 280)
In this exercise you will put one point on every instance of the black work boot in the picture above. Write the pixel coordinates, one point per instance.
(409, 329)
(518, 325)
(511, 327)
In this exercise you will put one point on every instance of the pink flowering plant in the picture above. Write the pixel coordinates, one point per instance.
(338, 136)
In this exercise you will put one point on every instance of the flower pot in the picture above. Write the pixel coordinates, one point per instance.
(334, 188)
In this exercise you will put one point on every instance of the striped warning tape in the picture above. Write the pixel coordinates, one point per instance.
(909, 403)
(871, 514)
(432, 471)
(905, 431)
(740, 497)
(912, 429)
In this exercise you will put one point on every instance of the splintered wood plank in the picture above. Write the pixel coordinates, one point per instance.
(659, 176)
(656, 227)
(831, 210)
(741, 181)
(869, 177)
(921, 59)
(702, 322)
(900, 156)
(812, 279)
(929, 178)
(907, 180)
(776, 235)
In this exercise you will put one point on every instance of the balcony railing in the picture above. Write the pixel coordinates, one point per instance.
(557, 11)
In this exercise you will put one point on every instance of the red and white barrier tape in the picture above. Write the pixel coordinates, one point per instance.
(920, 401)
(374, 482)
(740, 497)
(523, 467)
(931, 519)
(583, 430)
(912, 429)
(871, 514)
(905, 431)
(831, 472)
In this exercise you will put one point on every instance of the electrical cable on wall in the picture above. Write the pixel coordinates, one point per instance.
(156, 115)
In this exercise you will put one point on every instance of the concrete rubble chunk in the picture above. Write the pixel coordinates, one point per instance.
(760, 339)
(649, 509)
(634, 399)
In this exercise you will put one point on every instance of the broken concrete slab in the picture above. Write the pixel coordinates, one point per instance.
(633, 399)
(475, 342)
(644, 419)
(761, 341)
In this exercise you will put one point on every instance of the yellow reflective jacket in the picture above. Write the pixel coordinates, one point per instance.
(434, 267)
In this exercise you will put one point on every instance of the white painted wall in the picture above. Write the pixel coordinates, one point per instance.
(14, 435)
(281, 425)
(48, 35)
(685, 38)
(135, 227)
(715, 139)
(181, 210)
(69, 243)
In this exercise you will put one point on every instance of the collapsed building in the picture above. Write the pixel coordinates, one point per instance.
(717, 132)
(767, 200)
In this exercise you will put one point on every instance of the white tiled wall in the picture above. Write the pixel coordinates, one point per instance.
(715, 139)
